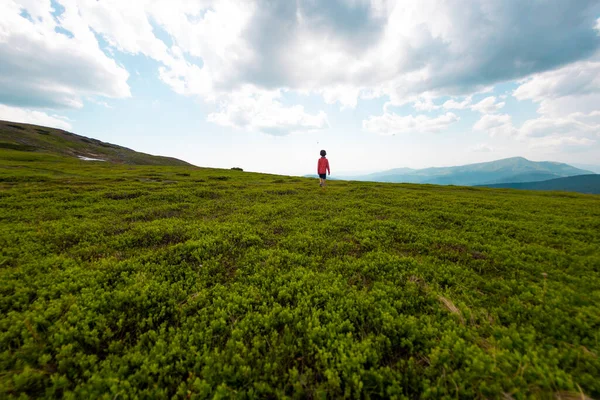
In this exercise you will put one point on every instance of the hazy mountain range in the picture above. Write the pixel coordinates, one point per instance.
(594, 168)
(512, 170)
(579, 183)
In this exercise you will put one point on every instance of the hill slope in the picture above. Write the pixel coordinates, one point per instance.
(34, 138)
(516, 169)
(589, 167)
(525, 177)
(181, 282)
(581, 183)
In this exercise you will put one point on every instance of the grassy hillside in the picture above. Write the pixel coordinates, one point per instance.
(34, 138)
(582, 183)
(124, 281)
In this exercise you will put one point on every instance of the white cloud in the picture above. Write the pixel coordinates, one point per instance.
(45, 68)
(573, 132)
(592, 118)
(575, 124)
(392, 48)
(454, 51)
(565, 106)
(16, 114)
(488, 105)
(576, 79)
(345, 95)
(569, 99)
(213, 33)
(455, 105)
(342, 50)
(556, 143)
(389, 123)
(263, 112)
(495, 125)
(426, 104)
(574, 88)
(481, 148)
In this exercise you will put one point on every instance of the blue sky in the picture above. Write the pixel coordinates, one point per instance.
(266, 85)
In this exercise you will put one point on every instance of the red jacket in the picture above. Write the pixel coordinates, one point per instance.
(323, 166)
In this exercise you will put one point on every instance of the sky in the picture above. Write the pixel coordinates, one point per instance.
(266, 84)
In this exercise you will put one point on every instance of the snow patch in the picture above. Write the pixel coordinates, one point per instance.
(89, 159)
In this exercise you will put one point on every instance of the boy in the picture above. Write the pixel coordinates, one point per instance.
(322, 167)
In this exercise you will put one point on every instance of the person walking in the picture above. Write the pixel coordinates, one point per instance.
(323, 168)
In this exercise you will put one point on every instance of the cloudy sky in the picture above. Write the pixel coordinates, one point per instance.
(265, 84)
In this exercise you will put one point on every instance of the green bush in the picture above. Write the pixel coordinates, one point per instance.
(179, 282)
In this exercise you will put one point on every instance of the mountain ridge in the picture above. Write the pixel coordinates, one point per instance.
(513, 169)
(588, 184)
(42, 139)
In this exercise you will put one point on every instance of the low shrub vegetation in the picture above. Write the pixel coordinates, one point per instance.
(182, 282)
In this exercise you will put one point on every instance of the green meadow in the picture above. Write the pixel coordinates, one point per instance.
(152, 282)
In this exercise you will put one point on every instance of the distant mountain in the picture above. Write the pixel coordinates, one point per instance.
(580, 183)
(589, 167)
(527, 177)
(395, 171)
(516, 169)
(34, 138)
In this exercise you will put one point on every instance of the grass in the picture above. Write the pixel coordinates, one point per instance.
(124, 281)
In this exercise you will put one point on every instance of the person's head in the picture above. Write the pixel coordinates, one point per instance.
(323, 153)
